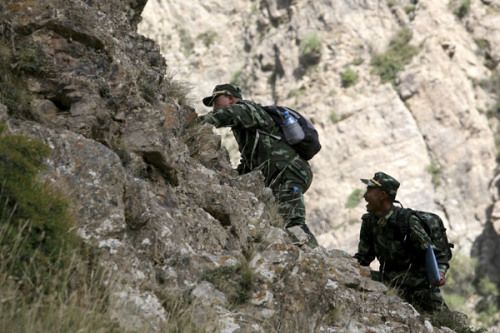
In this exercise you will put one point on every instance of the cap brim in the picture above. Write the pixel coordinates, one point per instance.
(369, 182)
(209, 100)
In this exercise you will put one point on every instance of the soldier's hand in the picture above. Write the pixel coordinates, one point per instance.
(442, 281)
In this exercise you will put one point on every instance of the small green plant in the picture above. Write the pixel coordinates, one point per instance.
(239, 78)
(187, 42)
(235, 282)
(15, 95)
(310, 49)
(207, 37)
(334, 117)
(435, 171)
(337, 314)
(410, 11)
(492, 85)
(398, 55)
(348, 78)
(180, 90)
(485, 51)
(273, 212)
(463, 9)
(392, 3)
(482, 43)
(13, 89)
(148, 92)
(354, 198)
(358, 61)
(254, 10)
(235, 79)
(29, 61)
(486, 287)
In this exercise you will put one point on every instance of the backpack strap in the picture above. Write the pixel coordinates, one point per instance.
(403, 221)
(277, 137)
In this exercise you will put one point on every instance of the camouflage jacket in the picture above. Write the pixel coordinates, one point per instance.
(251, 126)
(395, 252)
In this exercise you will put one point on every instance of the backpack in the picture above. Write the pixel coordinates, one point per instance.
(433, 226)
(307, 147)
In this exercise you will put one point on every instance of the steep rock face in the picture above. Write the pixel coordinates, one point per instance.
(160, 200)
(428, 129)
(486, 247)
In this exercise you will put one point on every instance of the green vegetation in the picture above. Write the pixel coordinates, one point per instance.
(235, 282)
(461, 9)
(334, 117)
(178, 89)
(458, 285)
(348, 78)
(486, 287)
(354, 198)
(187, 42)
(29, 61)
(235, 79)
(148, 92)
(310, 49)
(459, 288)
(493, 87)
(239, 78)
(358, 61)
(387, 65)
(207, 37)
(485, 51)
(49, 280)
(435, 171)
(410, 11)
(254, 10)
(13, 89)
(482, 43)
(36, 213)
(488, 306)
(392, 3)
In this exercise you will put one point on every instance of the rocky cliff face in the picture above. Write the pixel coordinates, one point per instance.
(163, 202)
(429, 128)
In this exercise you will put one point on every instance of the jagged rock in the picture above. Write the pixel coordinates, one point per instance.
(208, 295)
(91, 175)
(428, 129)
(137, 203)
(162, 201)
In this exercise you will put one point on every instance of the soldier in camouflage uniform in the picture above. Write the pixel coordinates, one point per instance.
(401, 257)
(253, 129)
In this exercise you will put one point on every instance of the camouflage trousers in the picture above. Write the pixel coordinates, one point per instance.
(290, 175)
(289, 184)
(415, 290)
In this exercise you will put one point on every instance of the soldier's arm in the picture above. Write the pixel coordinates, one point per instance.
(365, 254)
(237, 115)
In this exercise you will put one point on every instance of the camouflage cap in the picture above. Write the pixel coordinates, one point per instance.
(384, 182)
(223, 89)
